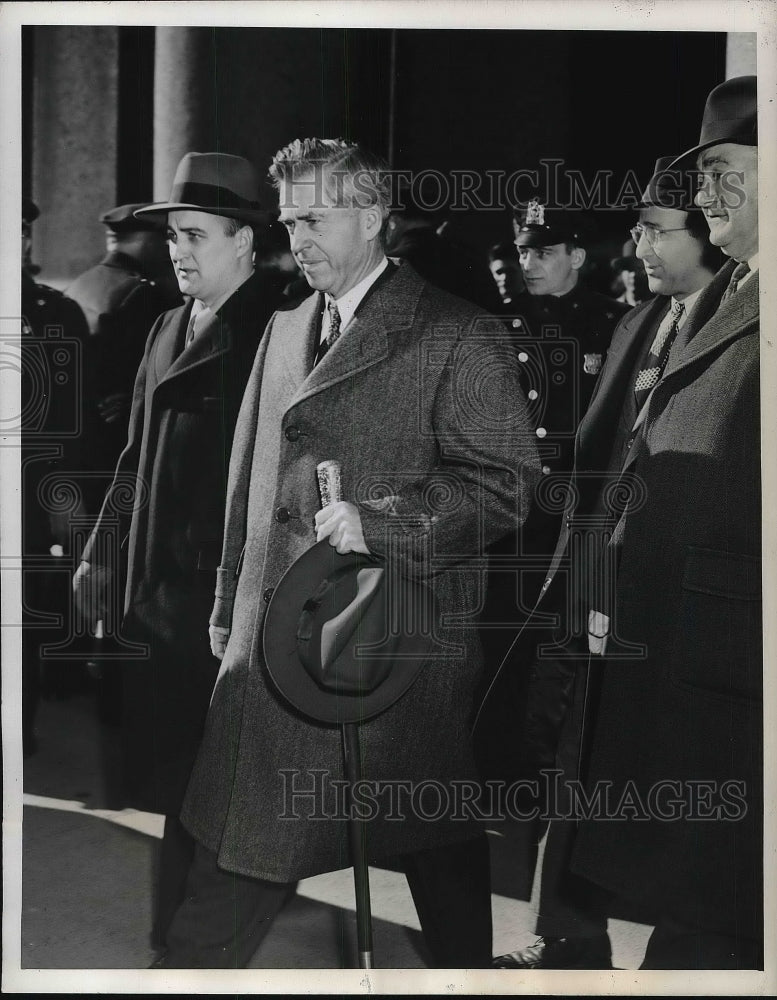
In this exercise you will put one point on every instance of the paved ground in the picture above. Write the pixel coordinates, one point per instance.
(87, 874)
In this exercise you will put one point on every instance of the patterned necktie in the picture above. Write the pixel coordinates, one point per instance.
(736, 276)
(334, 325)
(655, 362)
(334, 331)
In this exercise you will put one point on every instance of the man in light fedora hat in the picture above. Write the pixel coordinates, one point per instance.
(680, 728)
(386, 375)
(185, 402)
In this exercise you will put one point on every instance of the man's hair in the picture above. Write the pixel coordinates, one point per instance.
(232, 226)
(350, 175)
(712, 258)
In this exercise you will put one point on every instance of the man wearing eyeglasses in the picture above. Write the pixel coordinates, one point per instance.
(685, 717)
(671, 239)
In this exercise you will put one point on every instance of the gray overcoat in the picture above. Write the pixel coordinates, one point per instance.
(679, 729)
(419, 401)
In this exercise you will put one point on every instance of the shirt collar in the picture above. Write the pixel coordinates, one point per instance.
(347, 304)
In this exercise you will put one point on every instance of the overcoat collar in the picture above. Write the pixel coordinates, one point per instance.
(713, 323)
(389, 309)
(215, 338)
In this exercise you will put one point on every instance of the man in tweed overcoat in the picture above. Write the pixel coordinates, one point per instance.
(419, 401)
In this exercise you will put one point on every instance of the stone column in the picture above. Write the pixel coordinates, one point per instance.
(185, 99)
(74, 144)
(741, 52)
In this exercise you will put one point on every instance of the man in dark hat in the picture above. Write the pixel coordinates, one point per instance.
(185, 402)
(121, 296)
(679, 723)
(671, 239)
(379, 371)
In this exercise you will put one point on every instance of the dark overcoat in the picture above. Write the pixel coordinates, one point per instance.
(184, 410)
(120, 304)
(688, 709)
(420, 403)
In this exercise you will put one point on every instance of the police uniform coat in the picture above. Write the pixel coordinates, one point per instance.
(688, 708)
(423, 410)
(120, 304)
(184, 409)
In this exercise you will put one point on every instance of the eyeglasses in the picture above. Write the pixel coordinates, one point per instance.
(652, 233)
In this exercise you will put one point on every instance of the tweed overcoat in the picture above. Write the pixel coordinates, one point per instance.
(679, 725)
(184, 409)
(420, 402)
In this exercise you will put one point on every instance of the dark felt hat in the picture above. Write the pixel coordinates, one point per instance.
(628, 260)
(730, 115)
(670, 186)
(122, 219)
(344, 637)
(539, 226)
(216, 183)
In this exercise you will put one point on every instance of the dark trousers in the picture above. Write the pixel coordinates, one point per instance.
(674, 945)
(570, 906)
(176, 853)
(224, 916)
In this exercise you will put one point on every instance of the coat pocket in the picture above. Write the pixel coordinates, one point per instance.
(718, 641)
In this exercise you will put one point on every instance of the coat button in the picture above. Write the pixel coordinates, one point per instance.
(292, 433)
(523, 357)
(267, 594)
(541, 432)
(282, 515)
(533, 394)
(516, 324)
(546, 470)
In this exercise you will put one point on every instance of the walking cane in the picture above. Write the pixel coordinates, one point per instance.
(331, 492)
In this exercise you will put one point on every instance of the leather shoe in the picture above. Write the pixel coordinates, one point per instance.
(560, 953)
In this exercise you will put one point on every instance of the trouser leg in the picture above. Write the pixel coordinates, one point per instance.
(451, 888)
(674, 945)
(223, 917)
(570, 906)
(174, 861)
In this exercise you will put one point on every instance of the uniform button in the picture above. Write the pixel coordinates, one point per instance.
(282, 515)
(541, 432)
(523, 356)
(533, 394)
(516, 324)
(292, 433)
(546, 470)
(267, 595)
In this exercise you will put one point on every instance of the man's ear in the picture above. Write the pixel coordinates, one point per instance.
(372, 221)
(578, 257)
(245, 241)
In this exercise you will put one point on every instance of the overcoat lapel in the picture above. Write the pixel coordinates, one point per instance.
(607, 402)
(213, 339)
(170, 344)
(366, 341)
(728, 323)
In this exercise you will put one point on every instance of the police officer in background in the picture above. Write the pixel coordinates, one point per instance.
(563, 339)
(562, 330)
(53, 332)
(121, 296)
